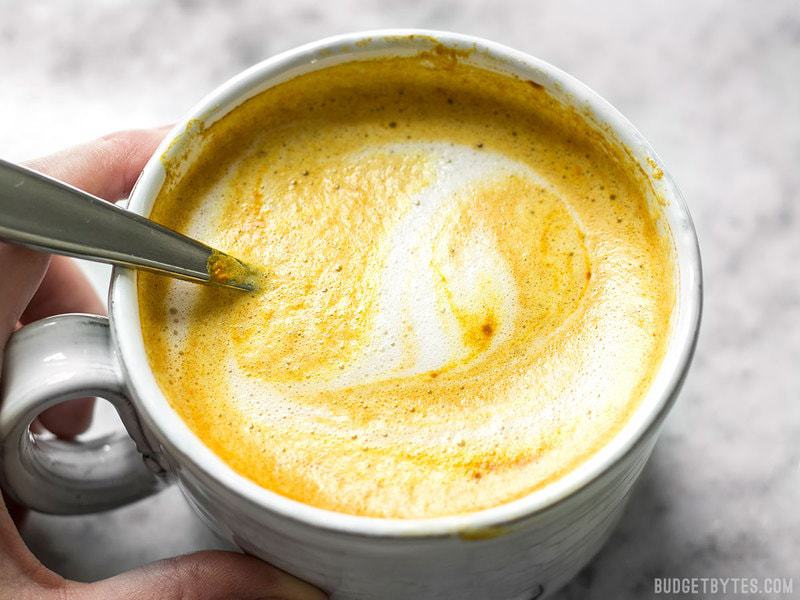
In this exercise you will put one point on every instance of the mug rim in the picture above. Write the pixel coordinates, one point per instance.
(173, 433)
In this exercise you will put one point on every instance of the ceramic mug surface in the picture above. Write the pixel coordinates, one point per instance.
(516, 551)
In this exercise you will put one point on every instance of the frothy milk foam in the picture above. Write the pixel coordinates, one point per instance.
(464, 301)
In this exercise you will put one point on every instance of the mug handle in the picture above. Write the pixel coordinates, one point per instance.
(50, 361)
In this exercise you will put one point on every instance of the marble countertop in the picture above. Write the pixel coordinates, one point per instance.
(715, 87)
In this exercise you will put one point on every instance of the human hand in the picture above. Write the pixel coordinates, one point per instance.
(35, 285)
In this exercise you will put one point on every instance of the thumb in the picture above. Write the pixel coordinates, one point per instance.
(212, 575)
(106, 167)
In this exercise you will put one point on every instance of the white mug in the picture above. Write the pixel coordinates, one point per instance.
(517, 551)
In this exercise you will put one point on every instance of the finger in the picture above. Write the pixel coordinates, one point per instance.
(68, 419)
(17, 512)
(65, 289)
(25, 268)
(211, 575)
(107, 167)
(19, 568)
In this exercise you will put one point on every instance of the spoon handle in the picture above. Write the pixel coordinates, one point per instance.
(46, 214)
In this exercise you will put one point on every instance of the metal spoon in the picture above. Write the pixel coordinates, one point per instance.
(45, 214)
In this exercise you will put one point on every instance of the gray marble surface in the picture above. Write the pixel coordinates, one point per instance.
(715, 86)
